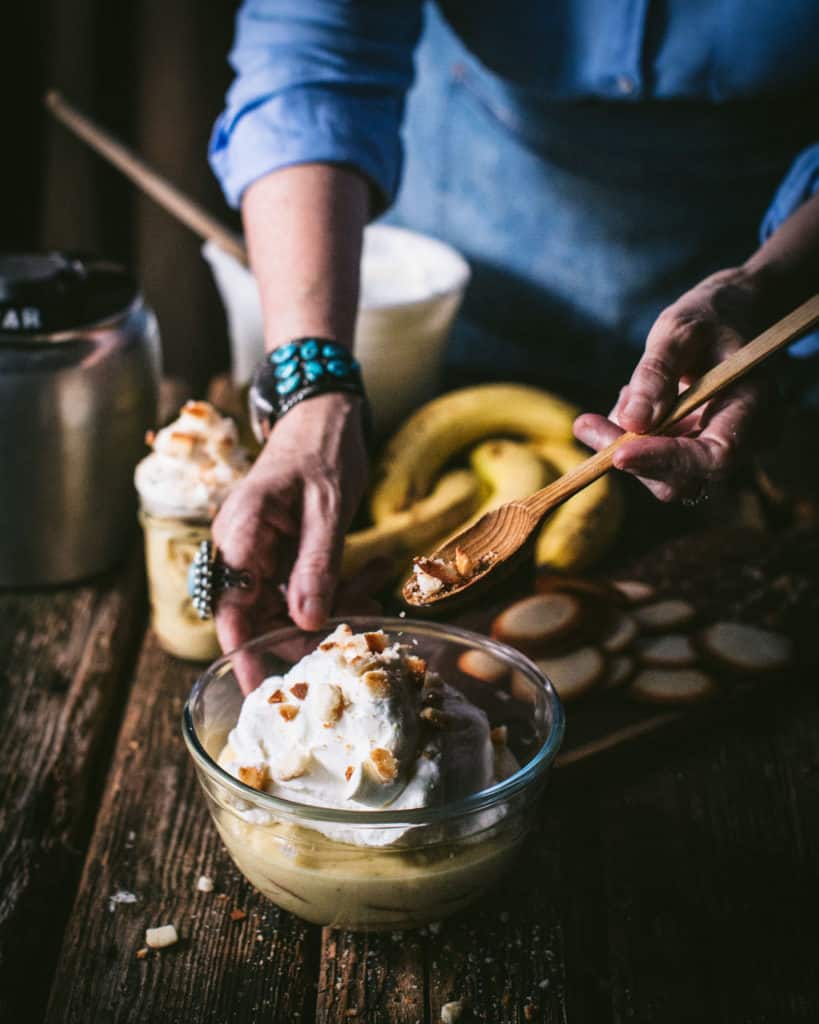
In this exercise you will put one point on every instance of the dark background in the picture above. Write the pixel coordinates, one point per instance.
(154, 72)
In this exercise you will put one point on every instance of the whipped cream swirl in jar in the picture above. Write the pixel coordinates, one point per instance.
(195, 462)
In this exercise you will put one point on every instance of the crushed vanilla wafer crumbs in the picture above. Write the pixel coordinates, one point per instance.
(161, 937)
(452, 1012)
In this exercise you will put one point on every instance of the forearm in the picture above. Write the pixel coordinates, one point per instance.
(785, 270)
(304, 227)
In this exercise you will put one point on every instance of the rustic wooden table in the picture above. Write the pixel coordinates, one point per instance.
(671, 881)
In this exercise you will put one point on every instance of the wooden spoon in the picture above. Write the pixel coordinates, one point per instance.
(500, 535)
(164, 192)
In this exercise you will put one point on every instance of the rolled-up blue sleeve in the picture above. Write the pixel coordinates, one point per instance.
(800, 183)
(316, 81)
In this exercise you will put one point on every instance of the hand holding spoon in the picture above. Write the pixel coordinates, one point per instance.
(499, 535)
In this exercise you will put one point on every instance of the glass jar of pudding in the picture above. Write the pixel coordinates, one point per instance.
(170, 547)
(195, 462)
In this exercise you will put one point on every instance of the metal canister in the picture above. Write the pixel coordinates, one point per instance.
(79, 377)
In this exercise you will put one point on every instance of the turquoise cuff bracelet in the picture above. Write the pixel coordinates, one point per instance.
(301, 369)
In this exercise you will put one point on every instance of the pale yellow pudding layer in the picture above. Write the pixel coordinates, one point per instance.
(401, 885)
(170, 547)
(332, 883)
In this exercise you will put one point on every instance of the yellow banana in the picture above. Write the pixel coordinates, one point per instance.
(454, 421)
(455, 495)
(509, 471)
(582, 529)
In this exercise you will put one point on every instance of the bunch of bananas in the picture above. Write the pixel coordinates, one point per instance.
(416, 504)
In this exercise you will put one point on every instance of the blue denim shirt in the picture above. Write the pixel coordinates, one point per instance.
(327, 80)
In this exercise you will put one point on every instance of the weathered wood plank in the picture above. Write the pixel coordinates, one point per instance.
(504, 960)
(371, 979)
(64, 654)
(712, 878)
(154, 838)
(672, 882)
(680, 884)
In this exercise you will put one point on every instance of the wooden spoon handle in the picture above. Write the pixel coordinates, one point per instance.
(174, 200)
(721, 376)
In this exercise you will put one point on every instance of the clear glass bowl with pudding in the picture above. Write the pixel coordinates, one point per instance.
(382, 868)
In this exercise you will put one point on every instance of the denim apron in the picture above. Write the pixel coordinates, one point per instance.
(581, 220)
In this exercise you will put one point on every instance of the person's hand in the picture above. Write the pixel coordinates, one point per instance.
(698, 331)
(285, 523)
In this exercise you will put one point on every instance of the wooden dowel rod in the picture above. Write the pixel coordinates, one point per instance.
(179, 205)
(616, 738)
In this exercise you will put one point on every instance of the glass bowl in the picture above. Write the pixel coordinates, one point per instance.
(381, 869)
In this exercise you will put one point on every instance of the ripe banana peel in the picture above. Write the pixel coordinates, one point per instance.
(582, 529)
(508, 468)
(447, 425)
(509, 471)
(400, 536)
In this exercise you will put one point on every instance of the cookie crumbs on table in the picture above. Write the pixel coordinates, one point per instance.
(452, 1012)
(161, 937)
(121, 896)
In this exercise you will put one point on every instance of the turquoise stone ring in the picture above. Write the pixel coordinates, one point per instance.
(209, 577)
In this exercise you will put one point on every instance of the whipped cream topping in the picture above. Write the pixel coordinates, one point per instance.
(360, 723)
(195, 462)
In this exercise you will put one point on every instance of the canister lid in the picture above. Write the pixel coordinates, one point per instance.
(50, 293)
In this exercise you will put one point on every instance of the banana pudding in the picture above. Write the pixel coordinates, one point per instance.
(372, 782)
(195, 462)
